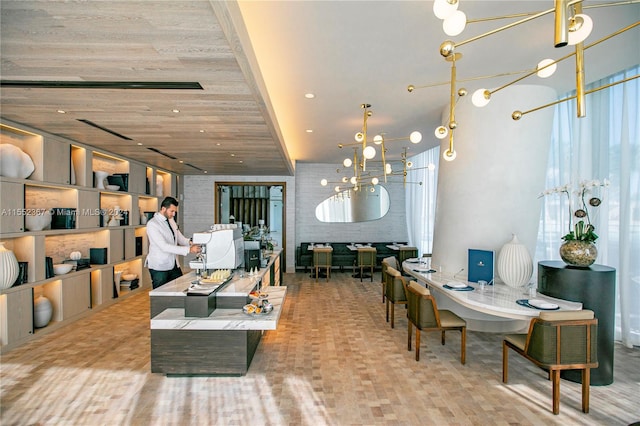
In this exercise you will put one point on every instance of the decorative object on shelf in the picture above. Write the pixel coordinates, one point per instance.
(73, 174)
(515, 265)
(143, 218)
(573, 252)
(42, 312)
(116, 282)
(23, 273)
(75, 255)
(100, 177)
(113, 187)
(39, 220)
(14, 162)
(9, 268)
(159, 186)
(63, 218)
(578, 253)
(48, 263)
(62, 268)
(129, 277)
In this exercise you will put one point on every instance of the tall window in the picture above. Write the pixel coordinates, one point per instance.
(603, 145)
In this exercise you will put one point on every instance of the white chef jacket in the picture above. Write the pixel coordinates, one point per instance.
(163, 247)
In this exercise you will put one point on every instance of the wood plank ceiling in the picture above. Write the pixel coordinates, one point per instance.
(224, 128)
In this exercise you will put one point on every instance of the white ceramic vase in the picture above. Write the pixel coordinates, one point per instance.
(159, 186)
(15, 163)
(9, 267)
(515, 265)
(100, 177)
(42, 312)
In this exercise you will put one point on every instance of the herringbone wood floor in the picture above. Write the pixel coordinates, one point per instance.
(334, 360)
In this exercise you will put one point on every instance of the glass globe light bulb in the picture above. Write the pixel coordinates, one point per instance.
(345, 179)
(377, 139)
(354, 180)
(415, 137)
(443, 8)
(441, 132)
(431, 166)
(359, 137)
(369, 152)
(579, 28)
(387, 168)
(347, 162)
(409, 164)
(323, 182)
(337, 189)
(372, 189)
(449, 155)
(548, 70)
(481, 97)
(374, 181)
(455, 23)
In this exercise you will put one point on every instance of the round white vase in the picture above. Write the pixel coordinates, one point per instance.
(515, 265)
(42, 312)
(9, 268)
(14, 162)
(100, 177)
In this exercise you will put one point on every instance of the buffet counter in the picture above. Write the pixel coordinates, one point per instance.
(221, 341)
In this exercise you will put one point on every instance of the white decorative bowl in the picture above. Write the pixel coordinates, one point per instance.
(62, 268)
(129, 277)
(113, 187)
(38, 222)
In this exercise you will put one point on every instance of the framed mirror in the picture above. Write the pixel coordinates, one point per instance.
(351, 206)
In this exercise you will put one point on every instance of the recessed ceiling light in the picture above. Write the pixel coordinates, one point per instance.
(180, 161)
(201, 131)
(233, 155)
(62, 111)
(206, 171)
(240, 161)
(309, 95)
(218, 144)
(175, 110)
(309, 130)
(139, 143)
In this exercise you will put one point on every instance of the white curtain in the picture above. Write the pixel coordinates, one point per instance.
(421, 199)
(603, 145)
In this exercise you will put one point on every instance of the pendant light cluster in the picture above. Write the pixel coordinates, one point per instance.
(365, 150)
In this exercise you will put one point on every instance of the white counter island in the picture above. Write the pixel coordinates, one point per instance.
(220, 341)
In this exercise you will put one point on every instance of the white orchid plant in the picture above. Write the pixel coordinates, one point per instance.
(583, 230)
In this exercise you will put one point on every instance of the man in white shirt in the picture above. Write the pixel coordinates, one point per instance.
(165, 243)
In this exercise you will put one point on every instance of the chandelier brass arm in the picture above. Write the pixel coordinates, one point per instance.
(517, 115)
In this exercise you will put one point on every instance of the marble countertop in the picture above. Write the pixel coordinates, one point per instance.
(498, 299)
(224, 319)
(240, 284)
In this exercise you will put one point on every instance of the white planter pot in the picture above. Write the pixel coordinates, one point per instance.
(42, 312)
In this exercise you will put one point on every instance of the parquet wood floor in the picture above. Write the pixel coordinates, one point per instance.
(334, 360)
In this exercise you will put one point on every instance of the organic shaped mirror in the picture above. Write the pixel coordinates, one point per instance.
(354, 206)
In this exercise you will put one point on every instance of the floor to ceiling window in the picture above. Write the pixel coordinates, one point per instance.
(421, 199)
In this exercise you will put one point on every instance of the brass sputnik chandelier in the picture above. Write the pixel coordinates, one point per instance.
(571, 27)
(364, 169)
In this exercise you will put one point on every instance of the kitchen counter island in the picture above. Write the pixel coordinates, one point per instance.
(221, 343)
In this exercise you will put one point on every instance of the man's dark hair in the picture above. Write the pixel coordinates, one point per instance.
(168, 202)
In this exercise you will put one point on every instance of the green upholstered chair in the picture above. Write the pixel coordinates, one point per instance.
(366, 260)
(322, 258)
(386, 262)
(395, 291)
(423, 313)
(558, 340)
(406, 253)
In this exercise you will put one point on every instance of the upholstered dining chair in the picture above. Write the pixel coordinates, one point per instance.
(423, 313)
(558, 340)
(395, 291)
(322, 258)
(366, 260)
(386, 262)
(405, 253)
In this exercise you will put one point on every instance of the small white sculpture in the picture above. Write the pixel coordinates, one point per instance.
(15, 163)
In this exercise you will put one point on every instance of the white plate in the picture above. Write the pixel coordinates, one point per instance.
(413, 260)
(456, 284)
(541, 304)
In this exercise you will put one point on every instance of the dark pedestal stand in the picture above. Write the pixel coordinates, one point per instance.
(595, 288)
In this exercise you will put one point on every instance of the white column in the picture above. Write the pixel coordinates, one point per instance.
(491, 189)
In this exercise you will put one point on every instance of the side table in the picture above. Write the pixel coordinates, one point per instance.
(594, 287)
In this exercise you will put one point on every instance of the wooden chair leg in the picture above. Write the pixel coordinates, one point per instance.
(316, 272)
(442, 337)
(328, 272)
(505, 362)
(409, 333)
(417, 344)
(393, 308)
(555, 374)
(586, 379)
(384, 290)
(387, 310)
(372, 274)
(463, 345)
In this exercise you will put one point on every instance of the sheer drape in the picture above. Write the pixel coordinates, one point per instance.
(421, 199)
(604, 144)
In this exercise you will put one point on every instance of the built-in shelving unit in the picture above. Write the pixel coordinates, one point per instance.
(54, 187)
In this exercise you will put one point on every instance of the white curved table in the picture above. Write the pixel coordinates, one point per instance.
(494, 309)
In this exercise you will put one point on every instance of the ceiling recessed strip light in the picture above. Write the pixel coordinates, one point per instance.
(162, 153)
(104, 129)
(179, 85)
